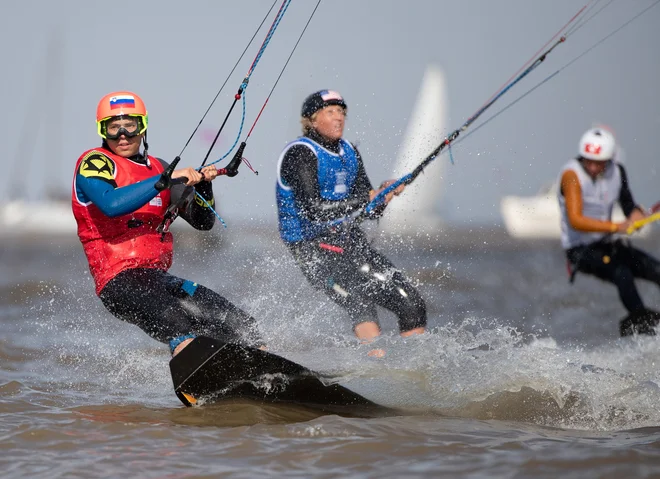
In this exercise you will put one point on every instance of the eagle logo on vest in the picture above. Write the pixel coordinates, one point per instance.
(97, 165)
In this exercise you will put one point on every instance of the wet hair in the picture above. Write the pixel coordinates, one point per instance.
(306, 123)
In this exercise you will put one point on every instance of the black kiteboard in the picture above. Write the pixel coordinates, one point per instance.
(213, 370)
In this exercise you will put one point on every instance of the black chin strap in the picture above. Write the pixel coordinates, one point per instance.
(146, 148)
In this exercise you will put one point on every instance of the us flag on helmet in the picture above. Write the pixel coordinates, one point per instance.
(328, 95)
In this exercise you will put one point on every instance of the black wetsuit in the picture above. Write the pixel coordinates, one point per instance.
(340, 261)
(618, 263)
(169, 308)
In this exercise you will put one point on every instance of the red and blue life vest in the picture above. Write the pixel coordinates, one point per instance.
(113, 245)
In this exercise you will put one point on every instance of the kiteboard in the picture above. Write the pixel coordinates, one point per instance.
(207, 371)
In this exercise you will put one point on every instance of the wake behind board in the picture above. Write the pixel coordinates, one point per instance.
(213, 370)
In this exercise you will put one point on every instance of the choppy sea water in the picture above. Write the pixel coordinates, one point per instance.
(520, 375)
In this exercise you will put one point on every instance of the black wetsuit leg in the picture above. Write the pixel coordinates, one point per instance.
(605, 262)
(167, 307)
(643, 265)
(358, 278)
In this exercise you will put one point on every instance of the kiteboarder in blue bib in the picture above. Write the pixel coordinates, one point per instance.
(321, 180)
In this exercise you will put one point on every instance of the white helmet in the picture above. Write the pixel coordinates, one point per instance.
(597, 144)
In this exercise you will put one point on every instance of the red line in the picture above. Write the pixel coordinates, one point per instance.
(257, 119)
(262, 43)
(536, 54)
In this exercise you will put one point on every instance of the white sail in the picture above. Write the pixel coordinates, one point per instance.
(415, 211)
(21, 218)
(539, 216)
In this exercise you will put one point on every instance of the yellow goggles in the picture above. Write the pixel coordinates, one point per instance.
(128, 125)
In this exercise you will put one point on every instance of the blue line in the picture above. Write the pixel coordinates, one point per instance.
(238, 137)
(214, 212)
(380, 197)
(245, 83)
(278, 19)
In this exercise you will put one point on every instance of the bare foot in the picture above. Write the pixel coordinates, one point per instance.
(411, 332)
(182, 345)
(367, 331)
(376, 353)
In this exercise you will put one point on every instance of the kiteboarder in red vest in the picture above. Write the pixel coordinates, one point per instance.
(121, 208)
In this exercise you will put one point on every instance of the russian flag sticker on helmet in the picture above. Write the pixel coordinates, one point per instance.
(119, 101)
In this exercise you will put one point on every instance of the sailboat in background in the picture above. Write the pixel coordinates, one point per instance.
(46, 213)
(43, 211)
(416, 211)
(539, 217)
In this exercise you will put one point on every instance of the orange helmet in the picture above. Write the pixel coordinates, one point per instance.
(120, 103)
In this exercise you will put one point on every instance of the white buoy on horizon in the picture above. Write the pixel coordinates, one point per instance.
(416, 210)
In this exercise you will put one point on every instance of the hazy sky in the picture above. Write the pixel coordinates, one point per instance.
(177, 54)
